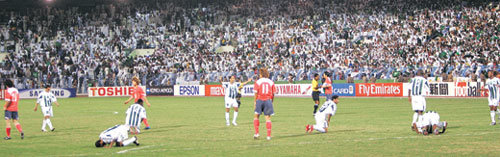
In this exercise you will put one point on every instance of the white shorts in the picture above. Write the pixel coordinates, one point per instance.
(47, 111)
(231, 103)
(321, 121)
(418, 103)
(430, 119)
(492, 102)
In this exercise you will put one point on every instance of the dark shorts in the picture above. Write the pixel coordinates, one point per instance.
(238, 95)
(11, 115)
(264, 106)
(315, 96)
(328, 96)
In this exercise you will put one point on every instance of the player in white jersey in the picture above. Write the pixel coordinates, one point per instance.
(135, 114)
(45, 100)
(430, 124)
(493, 86)
(419, 87)
(323, 116)
(117, 134)
(230, 94)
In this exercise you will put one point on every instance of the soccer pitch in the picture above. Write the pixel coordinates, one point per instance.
(195, 126)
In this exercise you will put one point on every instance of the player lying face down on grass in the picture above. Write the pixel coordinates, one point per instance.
(136, 113)
(431, 124)
(324, 115)
(118, 135)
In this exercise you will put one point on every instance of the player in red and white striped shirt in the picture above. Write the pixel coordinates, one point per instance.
(264, 96)
(139, 94)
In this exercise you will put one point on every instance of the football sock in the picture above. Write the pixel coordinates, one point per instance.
(8, 131)
(44, 123)
(18, 126)
(268, 127)
(235, 115)
(415, 116)
(145, 121)
(256, 125)
(49, 123)
(315, 108)
(492, 114)
(129, 141)
(227, 117)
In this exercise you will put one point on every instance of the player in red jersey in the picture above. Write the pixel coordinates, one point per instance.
(264, 96)
(10, 108)
(327, 85)
(139, 94)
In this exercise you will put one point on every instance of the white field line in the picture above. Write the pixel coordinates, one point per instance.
(132, 149)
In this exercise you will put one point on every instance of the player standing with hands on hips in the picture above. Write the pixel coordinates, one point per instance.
(264, 96)
(45, 100)
(139, 94)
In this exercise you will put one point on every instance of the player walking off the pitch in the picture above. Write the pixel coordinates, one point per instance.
(419, 87)
(45, 100)
(10, 108)
(139, 94)
(230, 94)
(493, 86)
(326, 112)
(315, 92)
(327, 86)
(264, 97)
(117, 134)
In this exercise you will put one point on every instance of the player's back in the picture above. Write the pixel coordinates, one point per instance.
(134, 115)
(12, 95)
(264, 89)
(114, 133)
(492, 85)
(327, 108)
(419, 86)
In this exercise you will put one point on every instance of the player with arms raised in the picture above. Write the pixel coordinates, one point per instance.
(10, 108)
(416, 96)
(139, 94)
(264, 97)
(45, 100)
(326, 112)
(230, 93)
(117, 134)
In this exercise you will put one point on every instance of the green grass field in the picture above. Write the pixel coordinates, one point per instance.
(195, 126)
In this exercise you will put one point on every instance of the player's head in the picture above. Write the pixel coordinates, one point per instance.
(135, 81)
(139, 101)
(326, 74)
(420, 73)
(47, 87)
(9, 83)
(232, 79)
(316, 76)
(263, 73)
(99, 143)
(335, 99)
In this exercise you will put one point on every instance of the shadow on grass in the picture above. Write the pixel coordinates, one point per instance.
(294, 135)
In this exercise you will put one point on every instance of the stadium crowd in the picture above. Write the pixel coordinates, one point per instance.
(383, 39)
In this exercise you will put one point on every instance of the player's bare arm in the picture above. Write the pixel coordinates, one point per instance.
(147, 102)
(57, 104)
(129, 99)
(36, 107)
(7, 104)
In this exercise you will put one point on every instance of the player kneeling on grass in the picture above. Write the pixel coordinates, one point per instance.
(326, 111)
(45, 100)
(430, 124)
(135, 115)
(116, 135)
